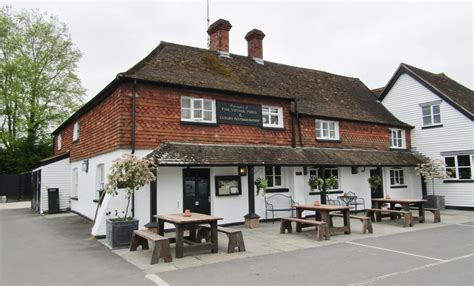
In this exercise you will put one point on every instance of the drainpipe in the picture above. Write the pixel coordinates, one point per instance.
(293, 132)
(132, 135)
(298, 122)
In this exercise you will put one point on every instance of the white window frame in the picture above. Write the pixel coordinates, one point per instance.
(272, 111)
(397, 138)
(328, 123)
(398, 177)
(431, 115)
(99, 179)
(75, 131)
(457, 167)
(59, 142)
(194, 111)
(75, 182)
(314, 169)
(273, 175)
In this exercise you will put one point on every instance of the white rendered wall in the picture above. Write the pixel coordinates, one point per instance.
(456, 134)
(412, 181)
(55, 175)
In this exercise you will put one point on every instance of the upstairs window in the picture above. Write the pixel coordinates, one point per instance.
(397, 138)
(460, 167)
(431, 113)
(273, 176)
(272, 116)
(198, 110)
(59, 142)
(75, 132)
(327, 130)
(396, 178)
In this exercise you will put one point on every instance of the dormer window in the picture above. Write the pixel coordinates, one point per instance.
(397, 138)
(272, 116)
(75, 132)
(198, 110)
(327, 130)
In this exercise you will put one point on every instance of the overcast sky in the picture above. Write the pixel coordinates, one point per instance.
(367, 40)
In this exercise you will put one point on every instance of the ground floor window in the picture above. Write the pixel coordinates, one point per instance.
(74, 183)
(396, 178)
(273, 176)
(460, 167)
(328, 172)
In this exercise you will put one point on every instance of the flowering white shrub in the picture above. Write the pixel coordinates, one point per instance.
(129, 173)
(432, 169)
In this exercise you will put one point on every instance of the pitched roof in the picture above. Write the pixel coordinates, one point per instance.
(378, 91)
(459, 96)
(319, 93)
(185, 154)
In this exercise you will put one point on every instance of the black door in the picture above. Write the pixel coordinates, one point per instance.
(197, 190)
(376, 192)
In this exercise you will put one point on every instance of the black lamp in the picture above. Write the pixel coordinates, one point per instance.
(242, 171)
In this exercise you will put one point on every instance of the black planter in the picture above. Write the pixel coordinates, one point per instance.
(119, 233)
(436, 202)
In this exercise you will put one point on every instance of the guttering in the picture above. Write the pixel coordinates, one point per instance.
(298, 122)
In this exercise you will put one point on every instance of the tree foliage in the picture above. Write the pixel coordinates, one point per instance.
(39, 86)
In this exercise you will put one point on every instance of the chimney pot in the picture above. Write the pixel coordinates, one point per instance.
(219, 35)
(255, 44)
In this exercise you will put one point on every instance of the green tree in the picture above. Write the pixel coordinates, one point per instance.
(39, 86)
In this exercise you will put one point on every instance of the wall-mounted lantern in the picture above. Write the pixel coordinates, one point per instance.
(85, 166)
(242, 171)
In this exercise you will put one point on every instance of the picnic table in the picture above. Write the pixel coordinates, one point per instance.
(190, 223)
(324, 211)
(405, 203)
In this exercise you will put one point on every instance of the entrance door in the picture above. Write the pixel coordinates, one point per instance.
(197, 190)
(376, 192)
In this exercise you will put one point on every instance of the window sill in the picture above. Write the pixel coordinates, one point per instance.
(74, 198)
(458, 181)
(273, 128)
(277, 190)
(328, 140)
(327, 193)
(212, 124)
(95, 201)
(399, 187)
(398, 148)
(75, 141)
(431, 126)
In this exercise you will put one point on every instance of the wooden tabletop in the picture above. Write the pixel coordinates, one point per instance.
(181, 219)
(322, 207)
(401, 201)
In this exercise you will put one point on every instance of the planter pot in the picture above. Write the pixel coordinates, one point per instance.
(119, 233)
(436, 202)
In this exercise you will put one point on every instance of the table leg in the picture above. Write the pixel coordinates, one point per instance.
(421, 212)
(299, 214)
(347, 221)
(192, 232)
(179, 241)
(214, 237)
(378, 215)
(161, 227)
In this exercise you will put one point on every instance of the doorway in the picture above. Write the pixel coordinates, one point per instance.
(376, 192)
(197, 190)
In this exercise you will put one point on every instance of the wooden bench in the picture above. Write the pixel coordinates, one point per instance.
(322, 227)
(436, 213)
(366, 221)
(407, 216)
(161, 246)
(236, 239)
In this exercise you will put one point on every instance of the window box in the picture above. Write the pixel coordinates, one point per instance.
(327, 130)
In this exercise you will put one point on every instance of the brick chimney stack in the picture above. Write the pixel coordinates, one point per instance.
(255, 44)
(219, 35)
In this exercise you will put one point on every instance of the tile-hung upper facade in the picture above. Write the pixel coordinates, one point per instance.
(442, 113)
(201, 113)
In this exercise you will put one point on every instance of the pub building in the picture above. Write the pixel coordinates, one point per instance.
(214, 122)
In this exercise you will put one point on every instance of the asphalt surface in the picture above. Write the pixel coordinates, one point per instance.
(36, 250)
(438, 256)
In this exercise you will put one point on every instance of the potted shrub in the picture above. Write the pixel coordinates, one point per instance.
(315, 183)
(433, 170)
(127, 174)
(375, 181)
(331, 182)
(261, 184)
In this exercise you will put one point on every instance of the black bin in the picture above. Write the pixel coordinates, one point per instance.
(53, 200)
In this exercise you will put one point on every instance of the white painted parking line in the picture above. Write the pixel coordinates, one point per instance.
(395, 251)
(155, 278)
(378, 278)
